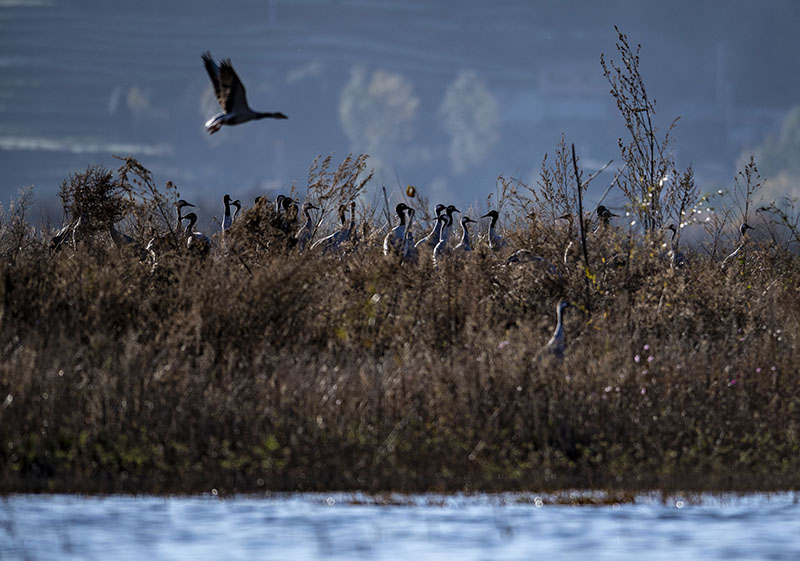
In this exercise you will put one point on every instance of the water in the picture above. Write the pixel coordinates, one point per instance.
(418, 527)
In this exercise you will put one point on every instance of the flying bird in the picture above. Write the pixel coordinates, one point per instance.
(231, 96)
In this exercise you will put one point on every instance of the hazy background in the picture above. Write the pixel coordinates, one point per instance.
(446, 97)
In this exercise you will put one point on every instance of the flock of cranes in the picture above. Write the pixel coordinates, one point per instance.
(399, 243)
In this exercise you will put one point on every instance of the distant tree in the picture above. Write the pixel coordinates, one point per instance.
(377, 110)
(469, 115)
(780, 153)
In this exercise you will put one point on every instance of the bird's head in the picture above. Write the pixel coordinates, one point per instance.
(440, 208)
(745, 227)
(603, 212)
(493, 214)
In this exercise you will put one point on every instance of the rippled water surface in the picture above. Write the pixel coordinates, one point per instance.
(417, 527)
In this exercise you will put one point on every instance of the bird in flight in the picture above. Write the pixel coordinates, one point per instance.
(231, 96)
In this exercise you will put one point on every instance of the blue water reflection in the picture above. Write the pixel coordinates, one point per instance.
(420, 527)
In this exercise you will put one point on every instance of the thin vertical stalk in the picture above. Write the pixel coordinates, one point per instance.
(587, 271)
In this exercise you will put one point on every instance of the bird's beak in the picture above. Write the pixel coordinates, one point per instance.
(486, 216)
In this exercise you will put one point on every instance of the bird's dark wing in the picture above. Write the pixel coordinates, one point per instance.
(231, 95)
(214, 74)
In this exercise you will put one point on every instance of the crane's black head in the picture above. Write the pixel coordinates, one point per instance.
(604, 214)
(493, 214)
(287, 202)
(745, 227)
(440, 208)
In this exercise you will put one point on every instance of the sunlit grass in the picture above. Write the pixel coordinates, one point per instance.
(259, 368)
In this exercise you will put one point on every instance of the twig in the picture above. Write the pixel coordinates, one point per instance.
(386, 208)
(587, 272)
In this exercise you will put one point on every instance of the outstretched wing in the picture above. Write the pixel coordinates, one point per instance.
(231, 93)
(213, 73)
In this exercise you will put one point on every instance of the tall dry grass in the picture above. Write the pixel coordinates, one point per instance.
(265, 369)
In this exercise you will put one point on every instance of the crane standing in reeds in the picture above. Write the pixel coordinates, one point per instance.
(432, 239)
(676, 257)
(495, 240)
(395, 240)
(557, 343)
(306, 232)
(743, 236)
(195, 240)
(465, 245)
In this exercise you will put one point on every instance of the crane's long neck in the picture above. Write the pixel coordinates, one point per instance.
(465, 236)
(437, 228)
(444, 232)
(227, 208)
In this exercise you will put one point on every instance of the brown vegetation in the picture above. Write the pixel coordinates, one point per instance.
(268, 369)
(261, 368)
